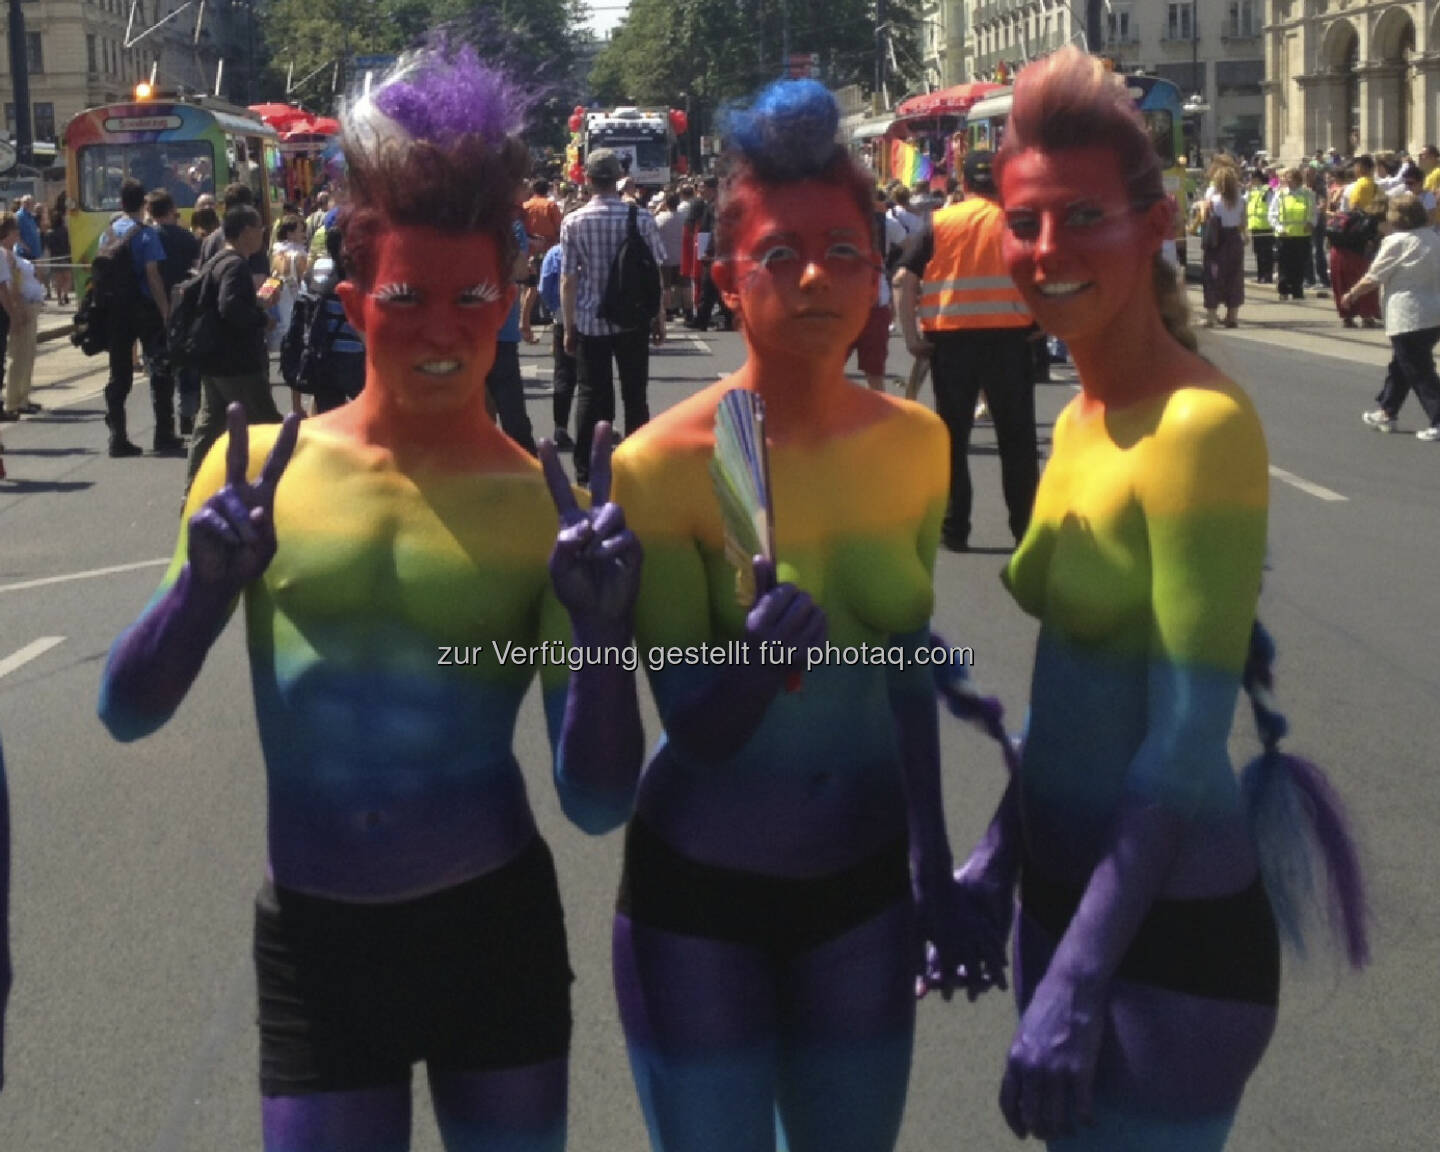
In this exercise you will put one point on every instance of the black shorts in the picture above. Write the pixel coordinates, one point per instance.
(1223, 948)
(782, 915)
(352, 995)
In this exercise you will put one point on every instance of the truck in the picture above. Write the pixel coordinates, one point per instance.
(643, 138)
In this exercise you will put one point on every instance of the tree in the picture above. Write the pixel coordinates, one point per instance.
(534, 40)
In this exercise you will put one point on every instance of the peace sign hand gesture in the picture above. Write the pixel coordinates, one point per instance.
(232, 537)
(595, 565)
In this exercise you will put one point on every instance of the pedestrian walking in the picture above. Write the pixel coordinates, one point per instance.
(1317, 267)
(1223, 230)
(1292, 215)
(1406, 270)
(244, 378)
(1352, 249)
(977, 335)
(590, 240)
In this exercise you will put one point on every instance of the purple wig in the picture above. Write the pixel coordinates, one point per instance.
(433, 145)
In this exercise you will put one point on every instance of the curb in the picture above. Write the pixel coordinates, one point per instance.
(59, 332)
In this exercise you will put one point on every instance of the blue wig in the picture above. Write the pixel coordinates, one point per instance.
(789, 132)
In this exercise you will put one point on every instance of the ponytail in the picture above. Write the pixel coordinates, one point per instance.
(1174, 306)
(1296, 819)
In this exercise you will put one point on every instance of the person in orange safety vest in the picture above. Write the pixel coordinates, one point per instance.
(976, 332)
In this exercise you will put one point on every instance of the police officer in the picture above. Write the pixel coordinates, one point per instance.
(1257, 219)
(976, 333)
(1292, 215)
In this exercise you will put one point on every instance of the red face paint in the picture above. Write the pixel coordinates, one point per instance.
(805, 267)
(431, 316)
(1073, 244)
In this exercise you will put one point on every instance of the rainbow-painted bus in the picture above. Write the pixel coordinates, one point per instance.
(189, 147)
(1159, 103)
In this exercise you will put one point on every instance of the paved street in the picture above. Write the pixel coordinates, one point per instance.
(132, 1020)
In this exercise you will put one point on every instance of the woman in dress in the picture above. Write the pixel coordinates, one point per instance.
(1224, 272)
(288, 264)
(786, 840)
(1147, 957)
(383, 553)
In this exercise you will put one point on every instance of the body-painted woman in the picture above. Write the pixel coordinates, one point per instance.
(411, 911)
(1147, 954)
(766, 939)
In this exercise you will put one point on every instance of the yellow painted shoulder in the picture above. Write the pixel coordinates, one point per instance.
(1208, 451)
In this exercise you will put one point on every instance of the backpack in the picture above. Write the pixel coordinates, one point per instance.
(306, 346)
(632, 293)
(114, 278)
(193, 332)
(91, 330)
(1351, 231)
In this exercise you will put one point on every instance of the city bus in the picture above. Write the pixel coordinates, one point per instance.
(188, 147)
(1159, 103)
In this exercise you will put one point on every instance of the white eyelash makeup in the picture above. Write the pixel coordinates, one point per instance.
(485, 292)
(399, 291)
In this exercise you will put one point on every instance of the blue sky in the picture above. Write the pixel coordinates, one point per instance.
(605, 14)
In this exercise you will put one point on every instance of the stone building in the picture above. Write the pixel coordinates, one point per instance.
(78, 58)
(1212, 51)
(1358, 76)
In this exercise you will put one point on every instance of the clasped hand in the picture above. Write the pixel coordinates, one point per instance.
(595, 564)
(965, 921)
(232, 537)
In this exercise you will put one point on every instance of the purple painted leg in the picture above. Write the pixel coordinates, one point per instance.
(502, 1109)
(366, 1120)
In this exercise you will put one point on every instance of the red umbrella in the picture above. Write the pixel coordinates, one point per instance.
(279, 116)
(325, 126)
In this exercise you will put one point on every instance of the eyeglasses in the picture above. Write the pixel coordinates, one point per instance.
(841, 262)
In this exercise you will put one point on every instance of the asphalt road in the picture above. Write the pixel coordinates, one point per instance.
(132, 1020)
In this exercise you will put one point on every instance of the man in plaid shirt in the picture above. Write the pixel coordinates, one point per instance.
(589, 240)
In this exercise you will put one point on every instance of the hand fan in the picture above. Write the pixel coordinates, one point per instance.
(740, 468)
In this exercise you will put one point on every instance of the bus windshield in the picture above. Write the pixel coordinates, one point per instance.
(1161, 125)
(647, 152)
(184, 168)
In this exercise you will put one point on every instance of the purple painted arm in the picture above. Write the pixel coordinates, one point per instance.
(1050, 1073)
(595, 571)
(230, 542)
(716, 721)
(986, 898)
(154, 662)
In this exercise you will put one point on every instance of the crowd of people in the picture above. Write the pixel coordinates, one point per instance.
(788, 886)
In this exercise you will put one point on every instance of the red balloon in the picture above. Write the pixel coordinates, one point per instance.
(575, 122)
(679, 121)
(682, 165)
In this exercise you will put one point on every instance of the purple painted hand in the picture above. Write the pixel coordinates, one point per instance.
(1050, 1074)
(966, 947)
(232, 537)
(783, 615)
(595, 565)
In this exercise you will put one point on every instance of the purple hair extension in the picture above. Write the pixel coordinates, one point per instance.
(955, 688)
(1296, 817)
(443, 93)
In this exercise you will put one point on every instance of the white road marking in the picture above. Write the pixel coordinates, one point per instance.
(699, 345)
(29, 652)
(1305, 486)
(93, 574)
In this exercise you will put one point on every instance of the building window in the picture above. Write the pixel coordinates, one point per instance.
(34, 53)
(1179, 27)
(44, 121)
(92, 60)
(1242, 19)
(1119, 26)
